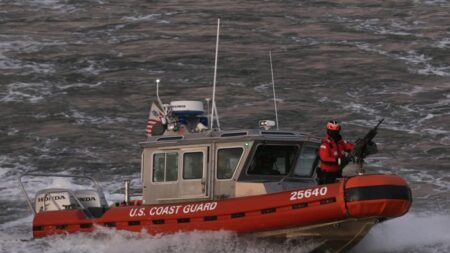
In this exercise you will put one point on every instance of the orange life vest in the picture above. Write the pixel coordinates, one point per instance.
(331, 151)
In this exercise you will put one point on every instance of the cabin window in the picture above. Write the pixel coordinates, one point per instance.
(165, 167)
(307, 162)
(227, 162)
(272, 160)
(193, 165)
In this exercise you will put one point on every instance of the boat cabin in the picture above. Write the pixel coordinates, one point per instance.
(226, 164)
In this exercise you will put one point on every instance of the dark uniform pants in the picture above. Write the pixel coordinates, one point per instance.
(324, 177)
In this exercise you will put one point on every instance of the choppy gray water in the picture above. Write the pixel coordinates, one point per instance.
(77, 78)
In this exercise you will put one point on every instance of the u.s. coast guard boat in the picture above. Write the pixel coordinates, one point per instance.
(259, 182)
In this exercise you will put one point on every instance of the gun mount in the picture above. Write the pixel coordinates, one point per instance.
(364, 147)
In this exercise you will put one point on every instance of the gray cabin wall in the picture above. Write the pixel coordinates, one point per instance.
(179, 190)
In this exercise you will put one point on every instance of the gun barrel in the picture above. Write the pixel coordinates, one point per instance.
(379, 123)
(361, 144)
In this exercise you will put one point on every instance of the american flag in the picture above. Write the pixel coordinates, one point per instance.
(154, 117)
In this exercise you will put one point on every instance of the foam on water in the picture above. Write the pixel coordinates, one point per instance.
(445, 141)
(149, 17)
(110, 240)
(81, 85)
(24, 45)
(58, 5)
(12, 131)
(10, 169)
(394, 27)
(428, 69)
(410, 233)
(419, 63)
(27, 67)
(84, 118)
(433, 2)
(396, 115)
(45, 2)
(37, 92)
(93, 69)
(399, 235)
(264, 88)
(360, 108)
(443, 43)
(25, 92)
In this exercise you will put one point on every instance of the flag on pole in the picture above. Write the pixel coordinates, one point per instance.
(154, 122)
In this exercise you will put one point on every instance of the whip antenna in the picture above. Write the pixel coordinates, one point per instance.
(157, 96)
(214, 108)
(273, 86)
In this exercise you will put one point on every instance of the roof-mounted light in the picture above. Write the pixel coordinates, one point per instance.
(266, 124)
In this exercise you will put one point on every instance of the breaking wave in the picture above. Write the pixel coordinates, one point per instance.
(110, 240)
(411, 233)
(391, 236)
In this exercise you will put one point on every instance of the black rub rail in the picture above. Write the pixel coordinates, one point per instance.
(378, 192)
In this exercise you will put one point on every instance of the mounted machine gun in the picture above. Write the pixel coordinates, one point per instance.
(364, 147)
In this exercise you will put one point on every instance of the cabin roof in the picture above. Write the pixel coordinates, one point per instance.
(227, 136)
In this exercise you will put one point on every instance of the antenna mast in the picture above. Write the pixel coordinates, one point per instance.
(214, 108)
(273, 86)
(157, 96)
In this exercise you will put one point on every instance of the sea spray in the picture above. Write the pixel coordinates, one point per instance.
(411, 233)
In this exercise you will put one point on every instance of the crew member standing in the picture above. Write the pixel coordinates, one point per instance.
(333, 154)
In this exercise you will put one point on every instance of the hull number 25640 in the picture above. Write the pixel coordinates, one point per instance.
(305, 194)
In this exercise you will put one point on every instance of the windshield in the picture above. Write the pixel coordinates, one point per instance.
(307, 162)
(273, 160)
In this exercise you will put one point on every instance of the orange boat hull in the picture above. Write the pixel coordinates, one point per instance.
(368, 196)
